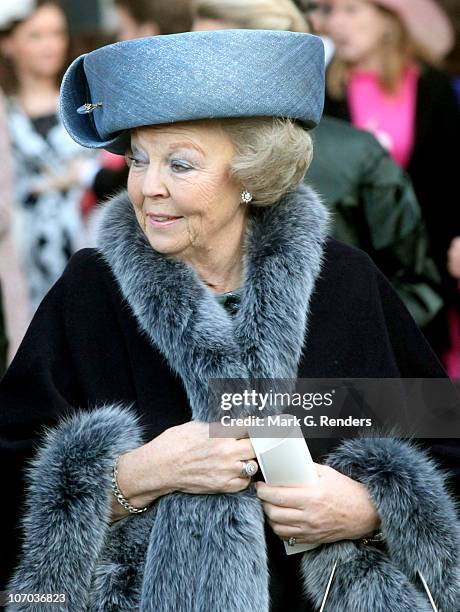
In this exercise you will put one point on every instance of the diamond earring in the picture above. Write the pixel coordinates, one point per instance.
(246, 197)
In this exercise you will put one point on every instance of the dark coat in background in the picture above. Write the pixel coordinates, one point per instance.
(433, 168)
(374, 208)
(86, 348)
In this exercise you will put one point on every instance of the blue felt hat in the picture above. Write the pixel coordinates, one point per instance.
(194, 75)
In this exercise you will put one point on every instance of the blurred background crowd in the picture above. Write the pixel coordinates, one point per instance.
(386, 156)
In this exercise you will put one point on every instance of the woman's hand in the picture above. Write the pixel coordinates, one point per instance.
(453, 258)
(334, 508)
(196, 463)
(183, 458)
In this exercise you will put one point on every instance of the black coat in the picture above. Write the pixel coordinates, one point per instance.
(85, 348)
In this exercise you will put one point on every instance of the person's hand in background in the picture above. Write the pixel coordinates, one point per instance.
(453, 258)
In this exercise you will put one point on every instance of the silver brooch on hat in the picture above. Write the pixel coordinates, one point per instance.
(88, 108)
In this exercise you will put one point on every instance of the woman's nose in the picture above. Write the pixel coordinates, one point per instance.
(154, 184)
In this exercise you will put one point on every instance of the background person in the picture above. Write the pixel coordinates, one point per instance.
(50, 169)
(380, 80)
(3, 338)
(139, 18)
(316, 13)
(15, 315)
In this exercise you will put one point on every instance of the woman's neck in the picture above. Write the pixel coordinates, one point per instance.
(38, 95)
(220, 266)
(221, 276)
(372, 63)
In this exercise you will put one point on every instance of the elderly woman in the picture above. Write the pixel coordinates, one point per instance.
(213, 265)
(50, 170)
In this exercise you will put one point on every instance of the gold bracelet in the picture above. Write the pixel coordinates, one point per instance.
(121, 499)
(375, 538)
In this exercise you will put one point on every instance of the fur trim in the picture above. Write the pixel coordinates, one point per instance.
(70, 549)
(68, 504)
(223, 535)
(421, 531)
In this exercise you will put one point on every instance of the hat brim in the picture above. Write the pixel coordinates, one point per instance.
(74, 94)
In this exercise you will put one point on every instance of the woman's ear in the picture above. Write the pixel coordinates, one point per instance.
(391, 31)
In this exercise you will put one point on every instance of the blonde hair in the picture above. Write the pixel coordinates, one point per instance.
(398, 49)
(254, 14)
(272, 155)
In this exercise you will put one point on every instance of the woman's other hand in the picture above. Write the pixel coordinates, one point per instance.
(183, 458)
(334, 508)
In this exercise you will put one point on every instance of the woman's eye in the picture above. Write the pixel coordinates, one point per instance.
(351, 9)
(180, 166)
(135, 161)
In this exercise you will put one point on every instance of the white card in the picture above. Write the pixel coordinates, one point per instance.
(285, 461)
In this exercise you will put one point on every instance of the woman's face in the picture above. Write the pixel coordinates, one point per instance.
(129, 28)
(38, 45)
(179, 184)
(357, 28)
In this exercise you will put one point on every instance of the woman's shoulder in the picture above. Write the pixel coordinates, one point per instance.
(347, 272)
(87, 264)
(88, 277)
(359, 151)
(435, 85)
(341, 259)
(350, 280)
(432, 74)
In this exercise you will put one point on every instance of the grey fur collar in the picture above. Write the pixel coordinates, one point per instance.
(181, 316)
(200, 341)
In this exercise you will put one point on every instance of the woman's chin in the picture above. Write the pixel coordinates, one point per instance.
(166, 245)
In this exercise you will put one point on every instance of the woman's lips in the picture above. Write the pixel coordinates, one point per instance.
(162, 220)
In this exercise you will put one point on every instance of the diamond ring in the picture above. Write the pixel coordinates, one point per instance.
(249, 469)
(291, 542)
